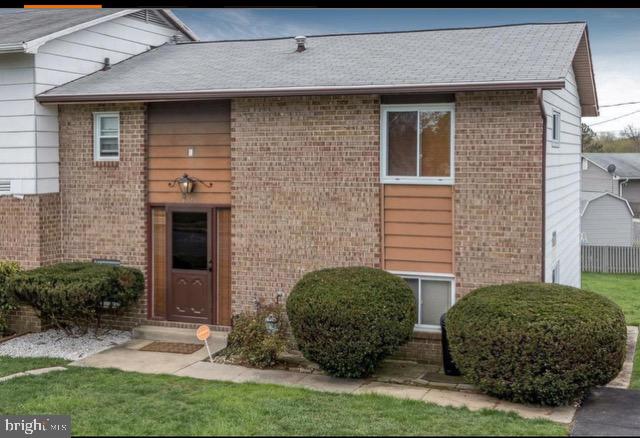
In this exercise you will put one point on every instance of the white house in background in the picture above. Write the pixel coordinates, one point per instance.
(41, 49)
(617, 173)
(607, 220)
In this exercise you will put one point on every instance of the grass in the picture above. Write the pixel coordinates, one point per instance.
(112, 402)
(12, 365)
(624, 290)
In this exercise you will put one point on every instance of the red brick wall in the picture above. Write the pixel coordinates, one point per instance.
(305, 190)
(103, 205)
(498, 189)
(30, 229)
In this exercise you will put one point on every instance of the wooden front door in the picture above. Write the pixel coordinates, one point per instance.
(190, 265)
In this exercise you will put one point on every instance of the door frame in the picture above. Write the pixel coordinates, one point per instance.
(212, 255)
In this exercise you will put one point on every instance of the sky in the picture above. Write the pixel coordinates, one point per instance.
(614, 35)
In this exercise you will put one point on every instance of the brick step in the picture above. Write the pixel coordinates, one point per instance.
(172, 334)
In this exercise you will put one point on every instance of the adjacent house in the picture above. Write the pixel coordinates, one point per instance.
(612, 220)
(226, 170)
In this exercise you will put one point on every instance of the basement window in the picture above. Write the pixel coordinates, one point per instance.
(417, 144)
(434, 295)
(106, 136)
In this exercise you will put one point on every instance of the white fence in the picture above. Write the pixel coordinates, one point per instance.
(611, 259)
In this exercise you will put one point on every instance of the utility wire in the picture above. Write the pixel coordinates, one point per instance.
(615, 118)
(619, 104)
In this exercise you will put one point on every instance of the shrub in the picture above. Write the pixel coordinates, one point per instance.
(77, 294)
(348, 319)
(252, 342)
(536, 343)
(7, 303)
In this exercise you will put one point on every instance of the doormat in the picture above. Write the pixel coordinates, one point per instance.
(172, 347)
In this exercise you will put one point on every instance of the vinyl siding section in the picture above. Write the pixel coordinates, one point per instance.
(631, 191)
(29, 131)
(418, 228)
(17, 122)
(174, 128)
(607, 221)
(595, 179)
(562, 197)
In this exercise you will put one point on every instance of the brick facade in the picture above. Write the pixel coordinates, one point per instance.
(305, 190)
(305, 195)
(103, 204)
(498, 212)
(30, 229)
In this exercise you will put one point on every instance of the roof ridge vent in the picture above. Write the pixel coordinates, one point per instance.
(301, 40)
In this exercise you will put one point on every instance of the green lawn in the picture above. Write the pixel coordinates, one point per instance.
(111, 402)
(12, 365)
(623, 289)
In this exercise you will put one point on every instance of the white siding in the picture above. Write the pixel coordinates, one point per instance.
(17, 120)
(563, 184)
(29, 131)
(595, 179)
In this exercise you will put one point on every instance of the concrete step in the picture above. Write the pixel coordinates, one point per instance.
(173, 334)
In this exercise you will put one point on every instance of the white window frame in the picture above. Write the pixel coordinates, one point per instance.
(428, 276)
(97, 122)
(427, 180)
(555, 130)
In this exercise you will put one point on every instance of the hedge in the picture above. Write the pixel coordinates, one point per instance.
(77, 294)
(536, 343)
(348, 319)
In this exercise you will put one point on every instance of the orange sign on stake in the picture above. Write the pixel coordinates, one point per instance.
(203, 333)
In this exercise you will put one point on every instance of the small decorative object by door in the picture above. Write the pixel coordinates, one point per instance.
(271, 322)
(186, 184)
(202, 333)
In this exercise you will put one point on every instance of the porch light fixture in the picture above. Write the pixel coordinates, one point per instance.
(186, 184)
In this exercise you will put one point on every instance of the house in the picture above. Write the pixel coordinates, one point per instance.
(617, 173)
(226, 170)
(607, 220)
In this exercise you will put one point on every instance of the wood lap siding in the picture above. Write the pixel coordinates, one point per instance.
(159, 261)
(173, 129)
(224, 267)
(418, 228)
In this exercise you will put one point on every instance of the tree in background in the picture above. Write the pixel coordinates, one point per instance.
(633, 135)
(590, 141)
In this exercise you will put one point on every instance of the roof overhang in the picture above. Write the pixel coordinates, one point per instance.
(33, 45)
(301, 91)
(583, 69)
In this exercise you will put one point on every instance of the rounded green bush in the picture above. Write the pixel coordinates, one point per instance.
(536, 343)
(348, 319)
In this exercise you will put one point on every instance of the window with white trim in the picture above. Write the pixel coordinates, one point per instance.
(555, 274)
(106, 136)
(555, 127)
(417, 143)
(434, 296)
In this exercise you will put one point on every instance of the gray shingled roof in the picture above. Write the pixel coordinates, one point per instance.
(503, 54)
(627, 164)
(27, 25)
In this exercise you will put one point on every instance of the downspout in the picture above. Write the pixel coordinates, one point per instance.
(543, 114)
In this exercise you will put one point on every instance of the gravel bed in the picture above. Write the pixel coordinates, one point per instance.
(57, 343)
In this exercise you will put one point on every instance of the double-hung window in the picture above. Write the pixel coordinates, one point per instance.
(434, 295)
(417, 144)
(106, 127)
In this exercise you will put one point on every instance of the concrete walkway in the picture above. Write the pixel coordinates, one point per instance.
(35, 372)
(623, 380)
(129, 358)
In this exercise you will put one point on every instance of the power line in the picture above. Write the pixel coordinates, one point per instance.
(615, 118)
(619, 104)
